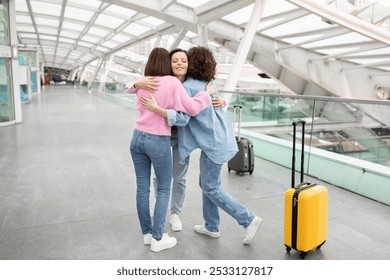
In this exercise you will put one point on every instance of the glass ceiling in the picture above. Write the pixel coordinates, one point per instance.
(74, 34)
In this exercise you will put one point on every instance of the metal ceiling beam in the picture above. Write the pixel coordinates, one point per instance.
(243, 48)
(329, 33)
(346, 20)
(282, 18)
(215, 10)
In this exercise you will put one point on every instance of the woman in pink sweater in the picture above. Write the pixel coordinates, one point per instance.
(150, 145)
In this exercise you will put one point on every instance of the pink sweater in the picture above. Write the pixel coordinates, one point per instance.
(171, 95)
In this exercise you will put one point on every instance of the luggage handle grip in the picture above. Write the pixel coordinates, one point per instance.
(239, 108)
(304, 183)
(299, 121)
(295, 123)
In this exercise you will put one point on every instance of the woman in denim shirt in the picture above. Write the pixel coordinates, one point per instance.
(179, 65)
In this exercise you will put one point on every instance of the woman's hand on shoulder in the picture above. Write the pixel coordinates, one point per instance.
(218, 102)
(149, 103)
(211, 89)
(148, 83)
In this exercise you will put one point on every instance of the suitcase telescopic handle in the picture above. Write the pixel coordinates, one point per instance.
(295, 123)
(237, 107)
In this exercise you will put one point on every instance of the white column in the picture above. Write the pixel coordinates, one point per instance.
(39, 73)
(15, 63)
(82, 74)
(202, 34)
(243, 49)
(178, 39)
(103, 78)
(97, 69)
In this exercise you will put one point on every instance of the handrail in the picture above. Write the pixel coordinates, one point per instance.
(311, 97)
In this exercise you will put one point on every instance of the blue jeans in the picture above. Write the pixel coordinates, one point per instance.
(179, 178)
(147, 149)
(215, 197)
(179, 174)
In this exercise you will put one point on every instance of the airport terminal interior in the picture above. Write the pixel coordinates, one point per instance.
(67, 181)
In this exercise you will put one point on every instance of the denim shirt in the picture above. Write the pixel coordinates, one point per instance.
(211, 130)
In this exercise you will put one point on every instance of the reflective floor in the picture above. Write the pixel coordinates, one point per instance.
(67, 191)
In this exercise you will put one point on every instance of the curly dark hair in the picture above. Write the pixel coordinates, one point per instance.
(201, 64)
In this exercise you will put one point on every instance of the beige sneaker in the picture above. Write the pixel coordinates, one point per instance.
(175, 223)
(251, 230)
(165, 242)
(203, 230)
(147, 239)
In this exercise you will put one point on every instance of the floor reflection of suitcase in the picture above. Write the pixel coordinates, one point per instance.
(243, 161)
(306, 210)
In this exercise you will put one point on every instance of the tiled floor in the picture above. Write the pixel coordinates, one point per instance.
(67, 191)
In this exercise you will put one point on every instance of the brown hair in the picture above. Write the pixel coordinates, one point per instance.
(201, 64)
(159, 63)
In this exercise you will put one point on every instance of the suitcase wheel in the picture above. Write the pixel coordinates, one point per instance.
(241, 173)
(302, 255)
(288, 249)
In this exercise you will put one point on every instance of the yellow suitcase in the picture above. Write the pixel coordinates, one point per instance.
(306, 210)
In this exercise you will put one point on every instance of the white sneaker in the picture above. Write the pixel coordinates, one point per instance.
(203, 230)
(147, 239)
(251, 230)
(165, 242)
(175, 223)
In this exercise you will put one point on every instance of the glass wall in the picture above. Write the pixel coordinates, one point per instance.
(356, 128)
(4, 27)
(29, 58)
(6, 98)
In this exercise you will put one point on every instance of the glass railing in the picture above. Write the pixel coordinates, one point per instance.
(352, 127)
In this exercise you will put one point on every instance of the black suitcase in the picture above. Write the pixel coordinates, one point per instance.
(243, 161)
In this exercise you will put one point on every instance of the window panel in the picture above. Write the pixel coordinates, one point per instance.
(78, 14)
(152, 21)
(91, 39)
(47, 37)
(46, 8)
(69, 34)
(72, 26)
(66, 40)
(47, 31)
(21, 28)
(28, 35)
(135, 29)
(85, 44)
(192, 3)
(87, 3)
(101, 49)
(98, 31)
(21, 6)
(121, 11)
(109, 21)
(23, 19)
(120, 38)
(109, 44)
(46, 21)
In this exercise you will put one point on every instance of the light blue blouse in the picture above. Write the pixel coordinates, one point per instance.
(211, 130)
